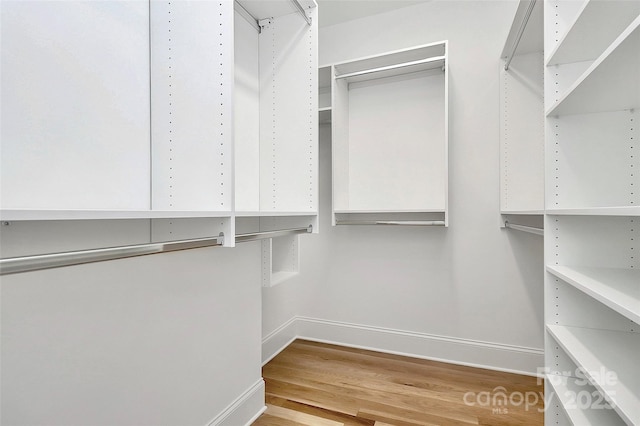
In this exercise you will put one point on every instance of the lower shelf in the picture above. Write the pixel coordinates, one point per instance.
(599, 352)
(581, 403)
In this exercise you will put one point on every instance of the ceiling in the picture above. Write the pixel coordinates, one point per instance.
(337, 11)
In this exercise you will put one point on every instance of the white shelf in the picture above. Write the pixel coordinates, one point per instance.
(434, 63)
(522, 212)
(617, 288)
(16, 215)
(568, 390)
(610, 83)
(597, 211)
(595, 350)
(595, 27)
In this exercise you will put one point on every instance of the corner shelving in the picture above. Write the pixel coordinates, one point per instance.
(592, 280)
(389, 138)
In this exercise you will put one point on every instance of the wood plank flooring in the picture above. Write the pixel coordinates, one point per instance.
(315, 384)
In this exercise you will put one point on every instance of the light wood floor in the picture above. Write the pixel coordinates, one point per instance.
(315, 384)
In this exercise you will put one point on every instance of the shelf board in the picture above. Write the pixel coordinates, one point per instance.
(611, 83)
(273, 214)
(596, 25)
(523, 212)
(614, 351)
(597, 211)
(617, 288)
(567, 392)
(435, 63)
(29, 214)
(410, 54)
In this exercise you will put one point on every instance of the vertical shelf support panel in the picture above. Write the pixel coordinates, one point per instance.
(289, 144)
(191, 107)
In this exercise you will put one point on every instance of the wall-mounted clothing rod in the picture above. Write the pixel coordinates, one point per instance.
(243, 238)
(302, 12)
(15, 265)
(523, 25)
(391, 67)
(392, 222)
(246, 15)
(524, 228)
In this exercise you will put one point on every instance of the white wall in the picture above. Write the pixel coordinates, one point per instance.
(471, 293)
(171, 339)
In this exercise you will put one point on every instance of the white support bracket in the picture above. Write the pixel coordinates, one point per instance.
(264, 23)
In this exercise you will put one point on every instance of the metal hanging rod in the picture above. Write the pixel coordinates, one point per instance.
(524, 228)
(298, 6)
(523, 25)
(16, 265)
(392, 67)
(246, 15)
(243, 238)
(392, 222)
(39, 262)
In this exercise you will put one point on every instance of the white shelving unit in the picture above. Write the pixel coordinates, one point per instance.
(276, 126)
(276, 118)
(389, 138)
(212, 116)
(592, 286)
(522, 118)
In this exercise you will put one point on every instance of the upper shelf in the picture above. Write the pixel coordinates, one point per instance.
(597, 211)
(614, 287)
(436, 62)
(32, 214)
(403, 61)
(611, 83)
(596, 25)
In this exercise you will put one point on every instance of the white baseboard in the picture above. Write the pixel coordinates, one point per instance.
(245, 409)
(280, 338)
(473, 353)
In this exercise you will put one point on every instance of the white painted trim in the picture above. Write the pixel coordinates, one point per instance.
(468, 352)
(274, 342)
(245, 409)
